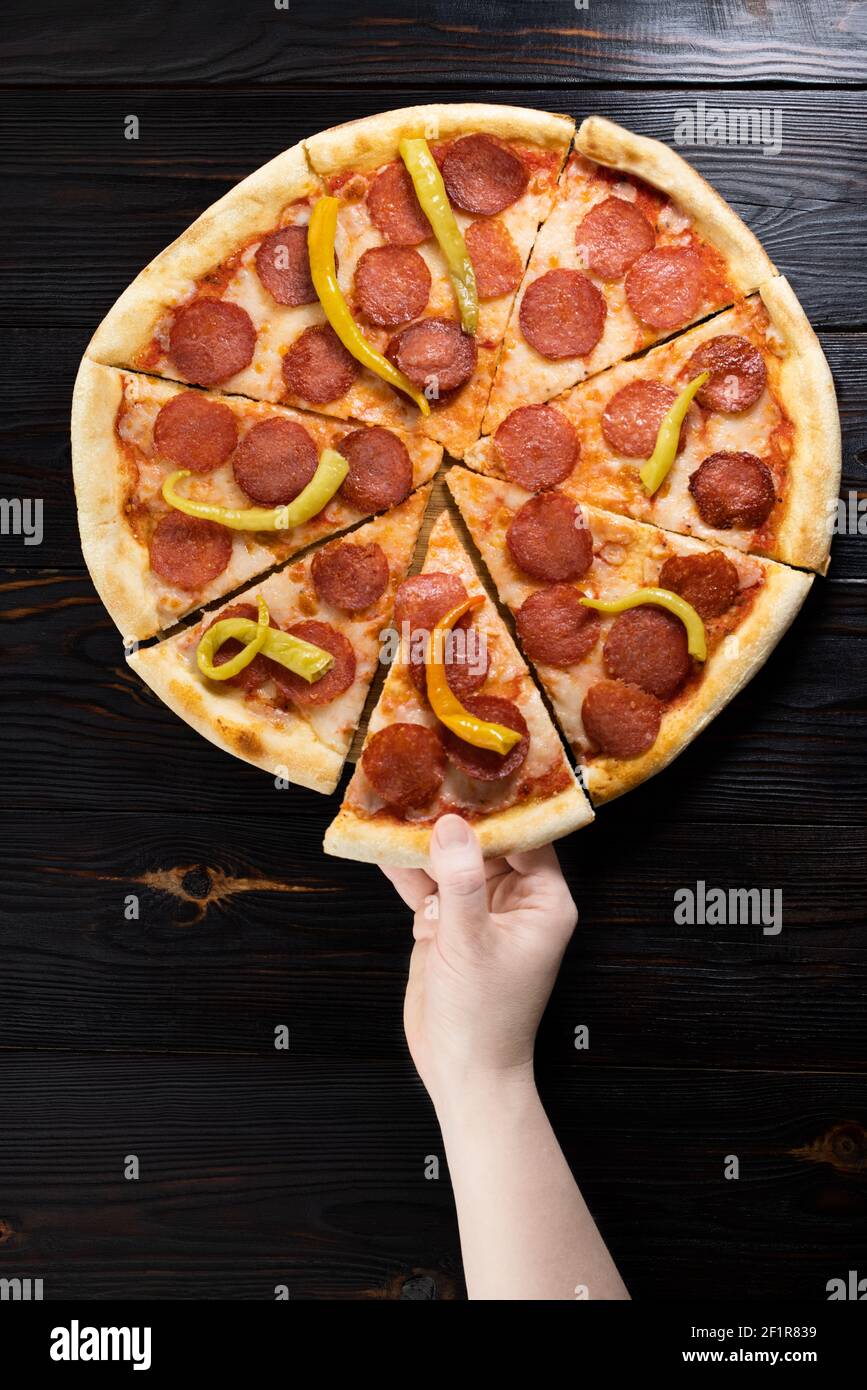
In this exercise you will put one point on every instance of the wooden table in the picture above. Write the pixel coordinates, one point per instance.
(155, 1036)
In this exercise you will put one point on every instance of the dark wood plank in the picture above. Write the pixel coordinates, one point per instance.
(474, 42)
(259, 1172)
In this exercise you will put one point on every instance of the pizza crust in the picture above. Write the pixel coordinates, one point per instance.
(730, 667)
(366, 143)
(610, 144)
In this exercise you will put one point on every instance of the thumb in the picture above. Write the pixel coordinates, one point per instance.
(459, 871)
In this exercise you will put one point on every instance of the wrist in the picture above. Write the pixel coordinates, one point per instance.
(484, 1097)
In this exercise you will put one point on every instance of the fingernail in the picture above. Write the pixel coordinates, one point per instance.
(451, 830)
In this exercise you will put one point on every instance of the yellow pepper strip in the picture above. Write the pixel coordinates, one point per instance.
(330, 472)
(445, 704)
(655, 471)
(431, 193)
(294, 653)
(662, 598)
(320, 244)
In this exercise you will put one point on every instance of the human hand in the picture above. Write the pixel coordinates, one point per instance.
(489, 938)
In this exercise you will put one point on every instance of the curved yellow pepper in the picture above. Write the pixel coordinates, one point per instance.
(304, 658)
(320, 243)
(431, 193)
(330, 472)
(481, 733)
(656, 470)
(661, 598)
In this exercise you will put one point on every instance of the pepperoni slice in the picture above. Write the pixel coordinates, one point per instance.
(738, 375)
(317, 366)
(648, 647)
(612, 236)
(283, 266)
(434, 352)
(549, 540)
(380, 469)
(495, 258)
(665, 286)
(194, 432)
(481, 175)
(481, 764)
(349, 576)
(631, 419)
(733, 489)
(423, 599)
(392, 284)
(466, 663)
(709, 582)
(538, 446)
(189, 552)
(394, 208)
(562, 314)
(274, 461)
(620, 720)
(210, 340)
(334, 682)
(257, 671)
(555, 627)
(405, 764)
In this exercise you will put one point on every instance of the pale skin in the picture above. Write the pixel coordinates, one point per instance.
(489, 939)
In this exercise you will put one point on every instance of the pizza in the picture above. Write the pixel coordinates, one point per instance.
(758, 458)
(627, 692)
(640, 431)
(413, 768)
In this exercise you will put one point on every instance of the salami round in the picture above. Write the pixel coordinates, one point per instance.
(495, 258)
(210, 340)
(481, 175)
(274, 461)
(380, 469)
(738, 375)
(257, 671)
(631, 419)
(665, 286)
(562, 314)
(283, 266)
(538, 446)
(648, 647)
(620, 720)
(405, 764)
(349, 576)
(466, 663)
(394, 208)
(188, 552)
(194, 432)
(335, 681)
(555, 627)
(481, 764)
(733, 490)
(709, 582)
(612, 236)
(434, 352)
(549, 540)
(392, 284)
(423, 599)
(318, 367)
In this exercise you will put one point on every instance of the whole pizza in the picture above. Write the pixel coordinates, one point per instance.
(640, 435)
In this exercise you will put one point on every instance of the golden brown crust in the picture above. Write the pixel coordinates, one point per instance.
(610, 144)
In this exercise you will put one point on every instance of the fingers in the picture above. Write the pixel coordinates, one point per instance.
(413, 885)
(459, 870)
(536, 861)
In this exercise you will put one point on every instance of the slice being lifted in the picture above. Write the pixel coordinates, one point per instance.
(627, 689)
(151, 562)
(413, 768)
(339, 599)
(758, 463)
(637, 246)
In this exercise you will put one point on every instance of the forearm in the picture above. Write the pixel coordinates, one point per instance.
(525, 1230)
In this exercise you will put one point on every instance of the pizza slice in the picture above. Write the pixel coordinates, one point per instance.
(757, 462)
(637, 246)
(687, 624)
(414, 767)
(151, 562)
(330, 608)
